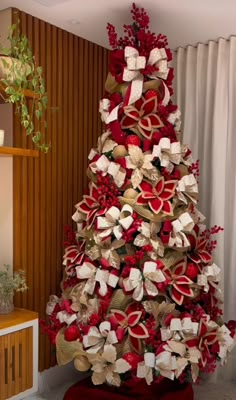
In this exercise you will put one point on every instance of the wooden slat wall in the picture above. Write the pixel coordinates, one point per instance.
(46, 190)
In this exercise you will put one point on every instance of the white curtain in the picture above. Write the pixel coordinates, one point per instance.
(205, 91)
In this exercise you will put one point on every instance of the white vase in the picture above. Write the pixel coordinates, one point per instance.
(1, 137)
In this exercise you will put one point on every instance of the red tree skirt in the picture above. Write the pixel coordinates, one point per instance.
(166, 390)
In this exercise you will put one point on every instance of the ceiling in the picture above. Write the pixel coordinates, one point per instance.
(183, 21)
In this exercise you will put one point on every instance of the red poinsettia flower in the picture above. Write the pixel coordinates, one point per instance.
(179, 281)
(199, 254)
(91, 205)
(208, 336)
(130, 322)
(73, 256)
(142, 117)
(157, 196)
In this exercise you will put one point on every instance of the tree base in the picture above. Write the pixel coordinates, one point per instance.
(165, 390)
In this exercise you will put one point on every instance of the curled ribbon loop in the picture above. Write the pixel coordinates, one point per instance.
(132, 74)
(158, 58)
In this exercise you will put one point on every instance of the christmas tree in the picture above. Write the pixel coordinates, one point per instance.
(140, 294)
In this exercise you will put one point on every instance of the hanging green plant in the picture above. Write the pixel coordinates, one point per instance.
(21, 78)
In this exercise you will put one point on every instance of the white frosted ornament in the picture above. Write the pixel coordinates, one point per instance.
(130, 193)
(119, 151)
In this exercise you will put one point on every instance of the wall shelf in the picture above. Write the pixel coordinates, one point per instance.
(27, 92)
(15, 151)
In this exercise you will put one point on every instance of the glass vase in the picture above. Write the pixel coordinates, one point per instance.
(6, 303)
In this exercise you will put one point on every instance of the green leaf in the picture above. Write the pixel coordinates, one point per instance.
(39, 70)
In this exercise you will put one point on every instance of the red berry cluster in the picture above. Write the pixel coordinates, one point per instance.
(108, 192)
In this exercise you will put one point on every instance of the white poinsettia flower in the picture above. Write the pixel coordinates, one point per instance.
(188, 355)
(98, 337)
(148, 236)
(166, 364)
(106, 368)
(140, 162)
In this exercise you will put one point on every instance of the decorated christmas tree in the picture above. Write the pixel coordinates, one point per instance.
(140, 294)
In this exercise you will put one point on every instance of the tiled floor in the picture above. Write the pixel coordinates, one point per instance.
(207, 391)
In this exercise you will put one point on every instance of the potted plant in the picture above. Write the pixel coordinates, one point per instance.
(9, 284)
(22, 78)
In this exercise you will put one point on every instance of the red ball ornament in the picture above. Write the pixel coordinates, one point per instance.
(72, 333)
(133, 359)
(192, 271)
(134, 140)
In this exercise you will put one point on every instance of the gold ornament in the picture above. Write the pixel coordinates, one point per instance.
(130, 194)
(119, 151)
(82, 364)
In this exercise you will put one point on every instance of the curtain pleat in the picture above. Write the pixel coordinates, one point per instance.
(205, 91)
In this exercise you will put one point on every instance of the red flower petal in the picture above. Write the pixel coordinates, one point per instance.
(149, 106)
(127, 122)
(170, 185)
(156, 205)
(195, 258)
(145, 187)
(167, 208)
(179, 268)
(205, 257)
(166, 195)
(160, 186)
(89, 201)
(83, 207)
(138, 331)
(184, 289)
(155, 121)
(176, 296)
(134, 317)
(94, 191)
(183, 280)
(140, 200)
(120, 316)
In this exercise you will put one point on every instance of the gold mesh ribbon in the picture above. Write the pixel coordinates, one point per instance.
(120, 300)
(67, 351)
(111, 86)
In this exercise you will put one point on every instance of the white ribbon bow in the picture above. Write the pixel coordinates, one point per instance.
(179, 328)
(210, 273)
(166, 364)
(226, 343)
(168, 153)
(97, 338)
(135, 280)
(106, 166)
(187, 187)
(107, 116)
(53, 300)
(182, 224)
(132, 74)
(115, 221)
(93, 275)
(145, 368)
(63, 316)
(158, 58)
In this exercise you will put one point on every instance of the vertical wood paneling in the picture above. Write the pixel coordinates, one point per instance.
(46, 190)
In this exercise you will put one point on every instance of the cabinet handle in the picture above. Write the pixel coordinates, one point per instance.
(20, 360)
(6, 365)
(13, 363)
